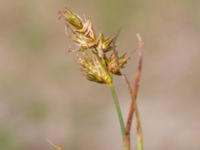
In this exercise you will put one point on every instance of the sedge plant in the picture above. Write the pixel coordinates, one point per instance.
(99, 61)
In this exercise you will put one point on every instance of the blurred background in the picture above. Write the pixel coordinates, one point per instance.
(43, 95)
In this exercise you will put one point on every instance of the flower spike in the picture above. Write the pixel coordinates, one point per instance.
(97, 64)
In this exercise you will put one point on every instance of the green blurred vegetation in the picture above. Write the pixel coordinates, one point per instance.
(8, 140)
(36, 110)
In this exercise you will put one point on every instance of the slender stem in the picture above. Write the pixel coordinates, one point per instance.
(126, 141)
(139, 129)
(118, 109)
(135, 91)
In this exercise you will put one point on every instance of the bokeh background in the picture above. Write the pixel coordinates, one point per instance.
(43, 95)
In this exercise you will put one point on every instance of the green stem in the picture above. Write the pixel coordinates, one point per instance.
(118, 109)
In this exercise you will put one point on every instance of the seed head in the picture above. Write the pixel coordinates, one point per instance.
(94, 70)
(116, 63)
(73, 19)
(97, 64)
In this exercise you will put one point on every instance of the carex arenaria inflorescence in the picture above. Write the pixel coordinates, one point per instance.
(97, 55)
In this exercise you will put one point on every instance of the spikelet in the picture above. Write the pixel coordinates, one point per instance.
(94, 70)
(116, 63)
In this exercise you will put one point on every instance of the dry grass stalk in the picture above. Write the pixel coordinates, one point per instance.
(134, 93)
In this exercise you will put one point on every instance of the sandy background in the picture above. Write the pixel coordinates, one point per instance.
(44, 96)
